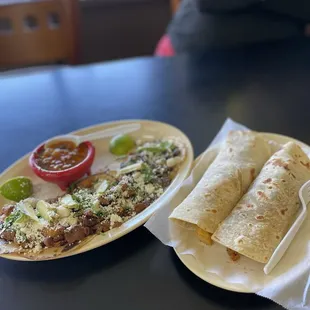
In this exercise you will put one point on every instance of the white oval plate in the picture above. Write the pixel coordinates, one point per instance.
(190, 262)
(102, 159)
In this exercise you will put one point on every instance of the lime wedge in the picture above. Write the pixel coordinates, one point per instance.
(16, 189)
(121, 145)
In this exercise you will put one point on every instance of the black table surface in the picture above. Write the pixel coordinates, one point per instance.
(265, 87)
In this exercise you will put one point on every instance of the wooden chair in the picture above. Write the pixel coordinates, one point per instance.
(41, 32)
(174, 5)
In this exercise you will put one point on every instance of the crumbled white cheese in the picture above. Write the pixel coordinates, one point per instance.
(136, 175)
(31, 231)
(20, 237)
(115, 218)
(111, 197)
(85, 197)
(159, 191)
(149, 188)
(68, 221)
(160, 161)
(139, 178)
(171, 162)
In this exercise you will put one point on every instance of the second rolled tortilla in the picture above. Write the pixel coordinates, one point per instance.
(265, 213)
(226, 180)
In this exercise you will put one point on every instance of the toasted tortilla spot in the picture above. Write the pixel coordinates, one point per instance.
(262, 195)
(280, 163)
(267, 181)
(305, 164)
(283, 211)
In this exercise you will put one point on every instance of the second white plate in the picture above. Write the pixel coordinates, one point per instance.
(190, 262)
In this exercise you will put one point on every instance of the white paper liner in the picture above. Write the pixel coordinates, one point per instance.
(288, 284)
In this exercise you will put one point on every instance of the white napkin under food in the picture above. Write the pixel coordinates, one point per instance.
(288, 284)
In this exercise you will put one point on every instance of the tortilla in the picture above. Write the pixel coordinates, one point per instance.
(226, 180)
(262, 218)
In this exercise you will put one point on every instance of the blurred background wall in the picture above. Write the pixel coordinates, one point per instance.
(45, 32)
(113, 29)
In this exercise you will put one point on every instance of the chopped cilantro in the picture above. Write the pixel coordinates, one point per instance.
(13, 217)
(147, 173)
(102, 213)
(127, 209)
(76, 198)
(114, 183)
(165, 145)
(71, 187)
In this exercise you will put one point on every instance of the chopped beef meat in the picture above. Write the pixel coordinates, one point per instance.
(8, 235)
(54, 232)
(176, 152)
(124, 187)
(139, 207)
(59, 237)
(86, 183)
(105, 226)
(89, 219)
(7, 210)
(76, 233)
(164, 181)
(49, 242)
(103, 201)
(117, 224)
(101, 227)
(124, 212)
(129, 193)
(54, 236)
(234, 256)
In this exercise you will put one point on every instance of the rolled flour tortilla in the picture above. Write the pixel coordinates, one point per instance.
(224, 183)
(263, 216)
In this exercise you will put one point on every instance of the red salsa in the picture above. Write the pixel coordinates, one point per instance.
(61, 155)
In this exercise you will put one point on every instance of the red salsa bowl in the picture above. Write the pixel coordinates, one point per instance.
(59, 169)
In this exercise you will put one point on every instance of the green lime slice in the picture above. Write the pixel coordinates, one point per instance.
(121, 145)
(16, 189)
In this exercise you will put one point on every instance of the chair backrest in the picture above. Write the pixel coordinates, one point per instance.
(174, 5)
(39, 32)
